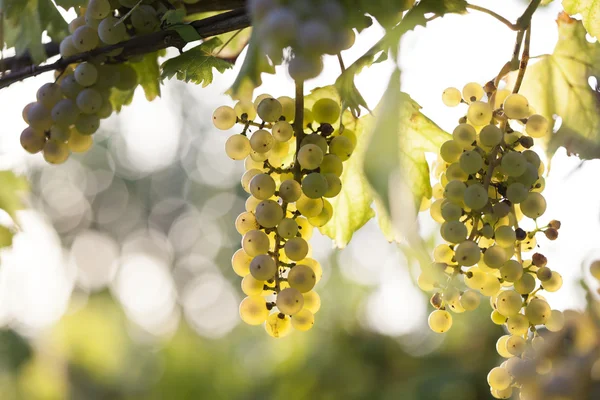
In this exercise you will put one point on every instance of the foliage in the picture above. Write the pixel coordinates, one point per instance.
(590, 13)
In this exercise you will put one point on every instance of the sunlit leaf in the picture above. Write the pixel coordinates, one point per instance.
(149, 75)
(590, 14)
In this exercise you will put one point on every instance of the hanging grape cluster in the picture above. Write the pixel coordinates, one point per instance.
(289, 176)
(311, 28)
(68, 111)
(489, 180)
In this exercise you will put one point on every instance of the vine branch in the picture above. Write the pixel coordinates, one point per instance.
(299, 127)
(514, 27)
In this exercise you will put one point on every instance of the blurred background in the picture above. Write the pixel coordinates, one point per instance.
(120, 287)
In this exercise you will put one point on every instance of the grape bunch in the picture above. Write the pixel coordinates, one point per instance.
(311, 28)
(68, 111)
(489, 181)
(289, 176)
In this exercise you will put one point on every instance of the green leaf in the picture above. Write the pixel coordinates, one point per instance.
(557, 85)
(196, 65)
(173, 17)
(119, 98)
(149, 75)
(52, 20)
(187, 32)
(590, 13)
(11, 193)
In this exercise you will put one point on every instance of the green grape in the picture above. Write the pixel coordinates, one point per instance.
(450, 211)
(451, 97)
(303, 320)
(287, 228)
(516, 106)
(309, 207)
(324, 216)
(467, 253)
(128, 80)
(253, 310)
(479, 113)
(302, 277)
(440, 321)
(79, 143)
(251, 203)
(499, 378)
(59, 133)
(314, 265)
(303, 68)
(49, 94)
(511, 271)
(288, 106)
(110, 31)
(314, 185)
(282, 131)
(144, 19)
(245, 222)
(526, 284)
(55, 152)
(245, 108)
(326, 111)
(443, 254)
(99, 9)
(455, 172)
(537, 126)
(255, 242)
(513, 163)
(451, 151)
(453, 231)
(556, 321)
(495, 257)
(304, 228)
(263, 267)
(350, 135)
(278, 325)
(469, 300)
(490, 286)
(516, 345)
(509, 303)
(517, 324)
(261, 141)
(290, 191)
(269, 213)
(39, 117)
(69, 87)
(538, 311)
(262, 186)
(470, 162)
(533, 206)
(32, 141)
(247, 177)
(476, 197)
(310, 156)
(544, 274)
(240, 262)
(269, 109)
(436, 211)
(224, 118)
(316, 139)
(290, 301)
(472, 92)
(499, 319)
(500, 210)
(86, 74)
(237, 147)
(554, 283)
(529, 177)
(342, 147)
(87, 124)
(455, 191)
(85, 38)
(26, 111)
(516, 192)
(89, 101)
(501, 343)
(505, 236)
(334, 185)
(532, 158)
(67, 47)
(464, 135)
(490, 135)
(296, 249)
(76, 23)
(252, 286)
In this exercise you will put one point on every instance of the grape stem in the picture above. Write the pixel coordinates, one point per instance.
(298, 128)
(524, 61)
(510, 25)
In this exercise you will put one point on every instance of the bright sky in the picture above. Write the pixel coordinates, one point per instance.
(146, 137)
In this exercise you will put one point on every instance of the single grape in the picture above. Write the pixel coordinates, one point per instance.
(69, 87)
(476, 197)
(469, 300)
(500, 319)
(290, 190)
(39, 117)
(85, 38)
(537, 126)
(245, 222)
(262, 186)
(495, 256)
(296, 249)
(450, 211)
(89, 101)
(471, 162)
(268, 213)
(440, 321)
(287, 228)
(334, 185)
(290, 301)
(278, 325)
(533, 206)
(316, 139)
(314, 185)
(224, 118)
(516, 192)
(479, 113)
(99, 8)
(516, 106)
(110, 31)
(303, 67)
(32, 140)
(303, 320)
(282, 131)
(451, 151)
(269, 109)
(302, 277)
(472, 92)
(554, 283)
(86, 74)
(513, 163)
(55, 152)
(342, 147)
(252, 286)
(538, 311)
(511, 271)
(237, 147)
(453, 231)
(324, 216)
(263, 267)
(326, 111)
(451, 97)
(247, 177)
(467, 253)
(464, 135)
(515, 345)
(67, 47)
(144, 19)
(76, 23)
(314, 36)
(261, 141)
(128, 79)
(312, 301)
(517, 324)
(255, 242)
(556, 321)
(49, 94)
(455, 191)
(240, 262)
(505, 236)
(310, 156)
(509, 303)
(59, 133)
(253, 310)
(79, 143)
(490, 135)
(309, 207)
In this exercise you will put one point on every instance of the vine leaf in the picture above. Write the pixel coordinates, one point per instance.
(394, 162)
(148, 78)
(590, 14)
(557, 85)
(196, 64)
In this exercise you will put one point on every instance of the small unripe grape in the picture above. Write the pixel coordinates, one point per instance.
(296, 249)
(476, 197)
(237, 147)
(495, 257)
(110, 31)
(526, 284)
(312, 301)
(282, 131)
(262, 186)
(314, 185)
(332, 164)
(499, 378)
(67, 47)
(86, 74)
(490, 135)
(516, 192)
(79, 143)
(440, 321)
(451, 151)
(263, 267)
(453, 231)
(467, 253)
(99, 9)
(287, 228)
(144, 19)
(65, 112)
(247, 177)
(455, 191)
(224, 118)
(538, 311)
(517, 324)
(516, 345)
(310, 156)
(479, 113)
(472, 92)
(455, 172)
(252, 286)
(316, 139)
(55, 152)
(278, 327)
(342, 147)
(505, 236)
(334, 185)
(534, 205)
(544, 274)
(537, 126)
(261, 141)
(302, 277)
(451, 97)
(89, 101)
(556, 321)
(290, 301)
(303, 68)
(240, 262)
(290, 191)
(39, 117)
(268, 213)
(471, 162)
(326, 111)
(269, 109)
(59, 133)
(69, 87)
(85, 38)
(76, 23)
(49, 94)
(464, 135)
(309, 207)
(513, 163)
(500, 319)
(303, 320)
(288, 108)
(324, 216)
(255, 242)
(516, 106)
(509, 303)
(32, 141)
(245, 222)
(470, 300)
(554, 283)
(253, 310)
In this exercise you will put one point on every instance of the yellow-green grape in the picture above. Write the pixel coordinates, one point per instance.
(472, 92)
(509, 303)
(497, 318)
(245, 108)
(342, 147)
(310, 156)
(55, 152)
(495, 257)
(500, 96)
(262, 186)
(455, 191)
(517, 324)
(532, 158)
(538, 343)
(450, 211)
(59, 133)
(252, 286)
(479, 113)
(505, 236)
(595, 269)
(302, 277)
(263, 267)
(556, 321)
(308, 117)
(89, 101)
(76, 23)
(502, 394)
(312, 301)
(513, 163)
(303, 320)
(245, 222)
(128, 80)
(467, 253)
(440, 321)
(538, 311)
(351, 136)
(331, 164)
(288, 107)
(469, 300)
(260, 98)
(290, 301)
(501, 344)
(290, 190)
(476, 197)
(516, 192)
(451, 97)
(544, 274)
(278, 325)
(304, 228)
(67, 47)
(144, 19)
(269, 109)
(255, 242)
(86, 74)
(455, 172)
(26, 111)
(314, 185)
(49, 94)
(516, 106)
(499, 378)
(451, 151)
(106, 109)
(240, 262)
(490, 135)
(453, 231)
(511, 271)
(554, 283)
(237, 147)
(526, 284)
(296, 249)
(528, 244)
(247, 177)
(85, 38)
(324, 216)
(111, 31)
(436, 211)
(443, 254)
(534, 205)
(326, 111)
(334, 185)
(316, 139)
(490, 286)
(516, 345)
(464, 135)
(309, 207)
(470, 162)
(268, 213)
(39, 117)
(282, 131)
(224, 118)
(32, 141)
(253, 310)
(287, 228)
(314, 265)
(99, 9)
(537, 126)
(261, 141)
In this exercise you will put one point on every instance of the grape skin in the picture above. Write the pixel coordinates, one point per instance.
(32, 141)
